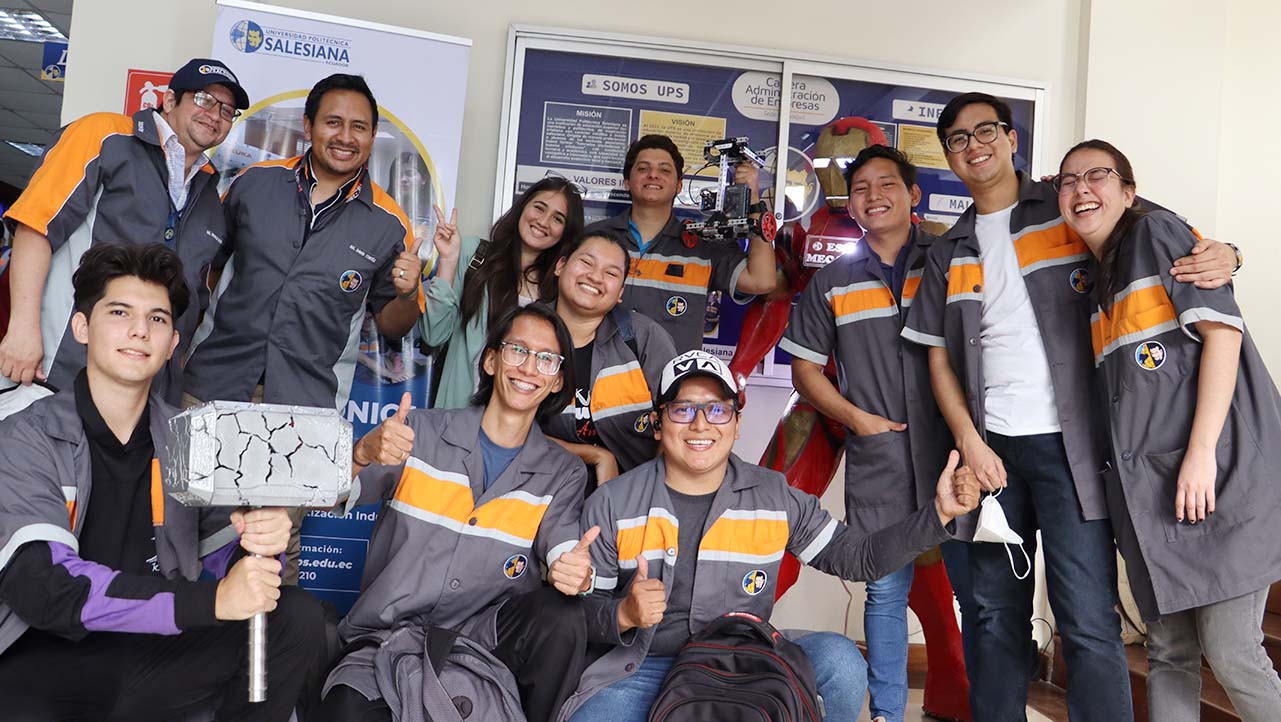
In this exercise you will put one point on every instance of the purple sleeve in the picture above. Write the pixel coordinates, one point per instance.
(147, 611)
(51, 588)
(218, 563)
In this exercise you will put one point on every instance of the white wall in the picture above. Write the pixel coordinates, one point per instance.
(1041, 41)
(1188, 91)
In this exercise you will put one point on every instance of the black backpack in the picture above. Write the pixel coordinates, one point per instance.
(739, 669)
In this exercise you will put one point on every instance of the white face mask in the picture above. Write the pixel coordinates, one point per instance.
(993, 528)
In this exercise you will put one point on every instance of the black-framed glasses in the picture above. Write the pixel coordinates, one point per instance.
(1065, 183)
(983, 133)
(547, 363)
(716, 412)
(208, 102)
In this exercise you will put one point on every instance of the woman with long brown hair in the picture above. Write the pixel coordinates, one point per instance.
(478, 279)
(1195, 425)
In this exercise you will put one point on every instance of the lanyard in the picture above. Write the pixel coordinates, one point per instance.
(172, 221)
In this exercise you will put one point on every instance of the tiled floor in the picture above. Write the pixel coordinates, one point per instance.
(914, 710)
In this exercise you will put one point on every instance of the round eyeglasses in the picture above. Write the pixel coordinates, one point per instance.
(547, 363)
(983, 133)
(1065, 183)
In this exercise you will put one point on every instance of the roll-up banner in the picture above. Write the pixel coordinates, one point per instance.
(419, 79)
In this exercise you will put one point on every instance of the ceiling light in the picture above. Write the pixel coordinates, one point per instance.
(28, 25)
(34, 149)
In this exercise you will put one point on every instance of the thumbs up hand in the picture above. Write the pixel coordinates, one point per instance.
(571, 574)
(388, 444)
(407, 270)
(646, 600)
(958, 490)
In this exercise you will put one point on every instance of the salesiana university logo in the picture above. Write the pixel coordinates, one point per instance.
(246, 36)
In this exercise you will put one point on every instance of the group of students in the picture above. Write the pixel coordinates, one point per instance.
(1080, 348)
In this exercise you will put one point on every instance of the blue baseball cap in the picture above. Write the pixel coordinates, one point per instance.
(200, 73)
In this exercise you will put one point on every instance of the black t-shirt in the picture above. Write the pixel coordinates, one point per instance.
(584, 427)
(117, 529)
(691, 514)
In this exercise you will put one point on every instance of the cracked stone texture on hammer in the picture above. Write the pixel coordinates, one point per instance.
(227, 453)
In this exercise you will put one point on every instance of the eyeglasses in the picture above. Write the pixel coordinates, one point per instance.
(208, 102)
(1065, 183)
(716, 412)
(983, 133)
(547, 363)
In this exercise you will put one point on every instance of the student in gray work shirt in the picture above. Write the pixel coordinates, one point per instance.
(1191, 497)
(618, 358)
(896, 441)
(114, 179)
(116, 601)
(313, 242)
(1005, 305)
(670, 280)
(699, 521)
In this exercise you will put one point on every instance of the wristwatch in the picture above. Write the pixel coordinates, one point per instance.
(1240, 258)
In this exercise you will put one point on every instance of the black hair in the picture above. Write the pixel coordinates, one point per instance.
(905, 168)
(605, 234)
(339, 81)
(152, 262)
(555, 401)
(963, 101)
(498, 275)
(1109, 281)
(652, 141)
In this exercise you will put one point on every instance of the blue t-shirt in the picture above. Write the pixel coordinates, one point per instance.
(895, 275)
(497, 458)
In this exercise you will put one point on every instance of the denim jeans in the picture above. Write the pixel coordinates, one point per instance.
(1230, 635)
(838, 666)
(1080, 570)
(956, 559)
(885, 625)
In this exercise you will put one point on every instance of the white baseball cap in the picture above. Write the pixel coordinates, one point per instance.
(691, 364)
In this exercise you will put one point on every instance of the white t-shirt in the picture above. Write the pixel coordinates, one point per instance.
(1019, 396)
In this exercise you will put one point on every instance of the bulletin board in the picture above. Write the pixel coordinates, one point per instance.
(574, 101)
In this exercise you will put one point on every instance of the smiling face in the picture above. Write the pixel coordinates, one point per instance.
(879, 199)
(342, 135)
(542, 222)
(520, 389)
(591, 278)
(653, 180)
(698, 448)
(129, 332)
(198, 129)
(1092, 210)
(983, 165)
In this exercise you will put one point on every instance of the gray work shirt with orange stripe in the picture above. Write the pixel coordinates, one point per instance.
(104, 180)
(670, 281)
(46, 487)
(446, 552)
(292, 297)
(1054, 263)
(754, 518)
(1149, 353)
(622, 389)
(849, 311)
